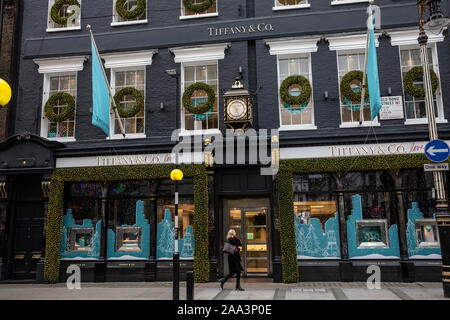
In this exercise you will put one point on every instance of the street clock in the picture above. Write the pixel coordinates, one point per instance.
(238, 108)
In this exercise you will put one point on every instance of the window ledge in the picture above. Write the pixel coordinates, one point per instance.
(198, 132)
(63, 29)
(127, 136)
(297, 127)
(292, 7)
(356, 124)
(127, 23)
(198, 16)
(339, 2)
(409, 122)
(62, 139)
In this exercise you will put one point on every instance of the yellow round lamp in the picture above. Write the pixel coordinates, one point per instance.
(176, 175)
(5, 92)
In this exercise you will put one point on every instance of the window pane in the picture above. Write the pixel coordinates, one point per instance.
(189, 74)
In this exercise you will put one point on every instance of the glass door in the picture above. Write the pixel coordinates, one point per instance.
(251, 228)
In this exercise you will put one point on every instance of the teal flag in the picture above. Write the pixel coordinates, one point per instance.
(100, 94)
(372, 76)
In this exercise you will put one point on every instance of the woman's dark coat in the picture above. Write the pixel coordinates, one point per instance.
(234, 260)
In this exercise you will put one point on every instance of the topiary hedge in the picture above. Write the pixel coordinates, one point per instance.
(56, 208)
(323, 165)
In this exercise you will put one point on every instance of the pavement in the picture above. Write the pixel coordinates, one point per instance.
(255, 289)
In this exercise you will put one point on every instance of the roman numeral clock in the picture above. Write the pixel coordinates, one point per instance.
(238, 108)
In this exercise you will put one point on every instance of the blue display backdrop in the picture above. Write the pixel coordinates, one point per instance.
(69, 222)
(165, 240)
(414, 251)
(313, 243)
(142, 223)
(391, 252)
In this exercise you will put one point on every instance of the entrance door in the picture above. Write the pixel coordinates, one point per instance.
(251, 225)
(28, 234)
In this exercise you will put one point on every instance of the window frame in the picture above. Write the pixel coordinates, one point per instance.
(112, 115)
(278, 6)
(46, 95)
(51, 22)
(351, 124)
(440, 117)
(115, 17)
(309, 126)
(341, 2)
(183, 130)
(183, 15)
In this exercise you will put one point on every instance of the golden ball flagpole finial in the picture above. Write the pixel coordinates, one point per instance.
(176, 175)
(5, 93)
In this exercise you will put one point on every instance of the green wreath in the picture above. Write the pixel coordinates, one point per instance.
(295, 100)
(53, 101)
(130, 14)
(136, 108)
(54, 11)
(415, 74)
(346, 89)
(200, 7)
(203, 107)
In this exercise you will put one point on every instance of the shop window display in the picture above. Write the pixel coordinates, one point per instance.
(128, 227)
(82, 223)
(165, 237)
(421, 229)
(316, 217)
(372, 233)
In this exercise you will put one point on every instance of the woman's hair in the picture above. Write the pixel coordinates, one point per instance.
(231, 233)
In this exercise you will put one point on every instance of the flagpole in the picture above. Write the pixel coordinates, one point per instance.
(107, 82)
(363, 91)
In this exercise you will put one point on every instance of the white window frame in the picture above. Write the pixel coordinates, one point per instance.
(407, 39)
(340, 2)
(49, 20)
(348, 44)
(295, 48)
(57, 66)
(128, 61)
(279, 6)
(190, 56)
(198, 15)
(116, 23)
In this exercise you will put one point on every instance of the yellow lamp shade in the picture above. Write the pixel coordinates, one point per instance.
(176, 175)
(5, 92)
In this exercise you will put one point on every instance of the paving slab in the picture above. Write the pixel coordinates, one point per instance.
(309, 294)
(254, 294)
(369, 294)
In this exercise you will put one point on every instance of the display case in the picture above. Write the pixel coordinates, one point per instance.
(372, 234)
(129, 239)
(80, 239)
(427, 234)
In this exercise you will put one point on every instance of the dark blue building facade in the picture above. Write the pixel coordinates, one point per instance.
(349, 192)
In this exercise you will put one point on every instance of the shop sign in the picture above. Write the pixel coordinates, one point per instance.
(353, 150)
(117, 160)
(392, 108)
(231, 30)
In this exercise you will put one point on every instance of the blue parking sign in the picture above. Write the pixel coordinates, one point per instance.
(437, 150)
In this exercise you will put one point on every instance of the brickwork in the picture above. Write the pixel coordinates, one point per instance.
(8, 38)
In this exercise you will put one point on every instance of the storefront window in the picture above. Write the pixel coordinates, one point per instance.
(421, 229)
(128, 227)
(165, 236)
(82, 222)
(316, 217)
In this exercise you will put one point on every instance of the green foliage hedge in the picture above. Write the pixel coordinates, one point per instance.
(324, 165)
(56, 208)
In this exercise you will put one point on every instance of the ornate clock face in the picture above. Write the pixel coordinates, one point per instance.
(236, 109)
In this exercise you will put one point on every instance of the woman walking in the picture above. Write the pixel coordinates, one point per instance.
(234, 261)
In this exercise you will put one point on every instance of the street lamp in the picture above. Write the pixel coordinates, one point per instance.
(5, 93)
(435, 19)
(176, 175)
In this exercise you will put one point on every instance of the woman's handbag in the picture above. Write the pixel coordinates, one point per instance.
(229, 248)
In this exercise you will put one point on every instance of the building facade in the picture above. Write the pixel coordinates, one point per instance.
(348, 192)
